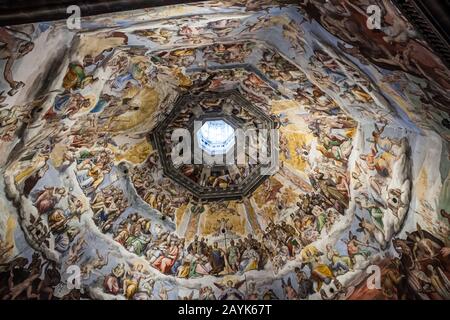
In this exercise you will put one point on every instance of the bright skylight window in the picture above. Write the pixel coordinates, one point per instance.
(216, 137)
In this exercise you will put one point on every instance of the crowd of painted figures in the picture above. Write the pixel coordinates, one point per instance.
(280, 242)
(160, 194)
(420, 272)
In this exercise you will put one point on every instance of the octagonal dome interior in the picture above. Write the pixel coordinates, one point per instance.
(216, 137)
(359, 177)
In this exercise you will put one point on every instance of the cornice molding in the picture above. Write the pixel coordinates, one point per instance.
(430, 19)
(15, 12)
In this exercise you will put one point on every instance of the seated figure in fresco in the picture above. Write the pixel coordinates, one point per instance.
(180, 258)
(165, 262)
(136, 241)
(154, 252)
(132, 280)
(114, 281)
(200, 265)
(122, 233)
(339, 264)
(249, 259)
(320, 272)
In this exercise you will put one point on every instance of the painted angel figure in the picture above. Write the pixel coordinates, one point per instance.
(230, 291)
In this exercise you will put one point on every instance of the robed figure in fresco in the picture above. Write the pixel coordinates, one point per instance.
(165, 262)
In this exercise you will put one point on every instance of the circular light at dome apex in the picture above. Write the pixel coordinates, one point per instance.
(216, 137)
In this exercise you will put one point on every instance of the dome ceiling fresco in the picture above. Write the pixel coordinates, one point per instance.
(357, 178)
(214, 175)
